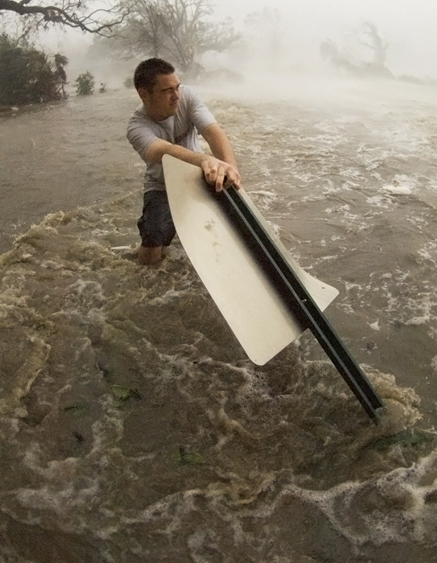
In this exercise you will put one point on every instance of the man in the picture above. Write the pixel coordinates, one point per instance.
(167, 122)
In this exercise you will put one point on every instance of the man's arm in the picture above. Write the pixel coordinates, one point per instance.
(216, 168)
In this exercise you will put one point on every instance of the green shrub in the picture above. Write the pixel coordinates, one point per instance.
(27, 75)
(84, 84)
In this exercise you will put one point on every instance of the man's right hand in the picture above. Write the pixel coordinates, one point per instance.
(220, 174)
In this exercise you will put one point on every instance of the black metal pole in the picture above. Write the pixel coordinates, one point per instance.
(297, 299)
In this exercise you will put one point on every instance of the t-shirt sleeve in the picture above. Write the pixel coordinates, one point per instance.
(139, 134)
(199, 113)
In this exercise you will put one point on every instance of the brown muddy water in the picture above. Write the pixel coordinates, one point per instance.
(133, 428)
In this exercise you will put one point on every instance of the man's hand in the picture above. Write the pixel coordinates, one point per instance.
(220, 174)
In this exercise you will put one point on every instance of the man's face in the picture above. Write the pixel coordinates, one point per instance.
(163, 102)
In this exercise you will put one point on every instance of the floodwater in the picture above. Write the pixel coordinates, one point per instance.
(133, 428)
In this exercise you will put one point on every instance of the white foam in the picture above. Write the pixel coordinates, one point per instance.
(407, 518)
(397, 190)
(379, 201)
(264, 193)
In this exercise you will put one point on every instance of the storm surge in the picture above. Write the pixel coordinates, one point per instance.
(134, 428)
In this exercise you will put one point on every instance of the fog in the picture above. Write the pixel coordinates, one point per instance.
(409, 28)
(288, 38)
(134, 427)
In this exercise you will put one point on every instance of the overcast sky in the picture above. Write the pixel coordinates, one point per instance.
(394, 13)
(408, 26)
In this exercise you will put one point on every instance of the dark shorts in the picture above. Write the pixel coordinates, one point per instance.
(156, 225)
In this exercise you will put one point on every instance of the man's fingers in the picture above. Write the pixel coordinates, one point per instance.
(220, 177)
(210, 176)
(220, 174)
(232, 180)
(214, 175)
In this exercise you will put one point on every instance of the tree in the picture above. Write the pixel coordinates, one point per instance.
(266, 39)
(365, 55)
(28, 75)
(60, 63)
(371, 40)
(70, 13)
(177, 30)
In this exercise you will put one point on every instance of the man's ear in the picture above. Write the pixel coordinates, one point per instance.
(143, 93)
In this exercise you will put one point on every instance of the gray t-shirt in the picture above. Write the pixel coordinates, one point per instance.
(179, 129)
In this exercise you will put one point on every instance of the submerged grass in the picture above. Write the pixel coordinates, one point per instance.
(410, 437)
(182, 457)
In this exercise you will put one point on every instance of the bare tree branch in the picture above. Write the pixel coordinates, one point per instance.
(177, 30)
(71, 13)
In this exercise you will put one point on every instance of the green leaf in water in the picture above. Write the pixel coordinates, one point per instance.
(182, 457)
(77, 410)
(124, 393)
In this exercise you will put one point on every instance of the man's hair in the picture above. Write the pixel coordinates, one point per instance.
(147, 72)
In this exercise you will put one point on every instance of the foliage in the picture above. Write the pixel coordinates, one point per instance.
(266, 39)
(129, 82)
(70, 13)
(84, 84)
(364, 55)
(176, 30)
(124, 393)
(28, 75)
(268, 29)
(182, 457)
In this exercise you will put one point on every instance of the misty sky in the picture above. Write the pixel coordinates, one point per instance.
(408, 27)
